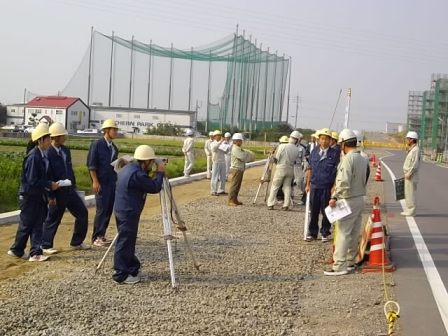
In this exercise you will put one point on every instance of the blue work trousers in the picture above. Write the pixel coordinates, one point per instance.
(125, 261)
(104, 207)
(65, 199)
(319, 199)
(33, 211)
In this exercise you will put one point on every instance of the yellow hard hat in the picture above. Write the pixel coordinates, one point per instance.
(144, 152)
(335, 135)
(315, 134)
(217, 132)
(324, 131)
(109, 123)
(57, 129)
(40, 131)
(283, 139)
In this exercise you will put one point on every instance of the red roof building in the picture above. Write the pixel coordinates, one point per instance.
(53, 102)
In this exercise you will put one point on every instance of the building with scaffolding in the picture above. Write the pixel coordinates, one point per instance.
(432, 120)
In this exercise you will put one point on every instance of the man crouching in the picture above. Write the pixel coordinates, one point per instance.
(133, 183)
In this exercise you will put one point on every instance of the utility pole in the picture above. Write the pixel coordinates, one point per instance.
(297, 111)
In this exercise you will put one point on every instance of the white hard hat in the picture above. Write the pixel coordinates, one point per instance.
(227, 135)
(109, 123)
(412, 135)
(345, 135)
(210, 133)
(40, 131)
(217, 132)
(237, 136)
(144, 152)
(296, 135)
(188, 132)
(57, 129)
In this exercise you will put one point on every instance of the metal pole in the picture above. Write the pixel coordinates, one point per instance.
(235, 51)
(208, 87)
(240, 86)
(111, 68)
(266, 88)
(131, 75)
(171, 78)
(297, 111)
(149, 74)
(90, 66)
(191, 79)
(281, 91)
(347, 108)
(289, 89)
(252, 90)
(273, 92)
(258, 87)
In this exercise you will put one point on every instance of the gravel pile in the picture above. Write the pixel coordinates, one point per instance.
(257, 277)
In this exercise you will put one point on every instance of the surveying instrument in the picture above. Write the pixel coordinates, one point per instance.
(170, 215)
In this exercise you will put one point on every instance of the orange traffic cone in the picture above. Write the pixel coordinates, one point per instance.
(374, 162)
(378, 258)
(378, 173)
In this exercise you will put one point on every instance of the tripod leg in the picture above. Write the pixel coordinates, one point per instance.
(307, 216)
(167, 231)
(105, 254)
(181, 225)
(256, 195)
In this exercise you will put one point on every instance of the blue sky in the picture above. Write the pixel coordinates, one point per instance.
(381, 49)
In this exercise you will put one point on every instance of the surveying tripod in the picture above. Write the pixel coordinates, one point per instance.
(265, 178)
(170, 214)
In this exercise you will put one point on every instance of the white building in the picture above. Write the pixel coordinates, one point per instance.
(15, 114)
(70, 111)
(135, 120)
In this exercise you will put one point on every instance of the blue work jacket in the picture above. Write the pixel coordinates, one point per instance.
(132, 186)
(324, 169)
(34, 181)
(99, 159)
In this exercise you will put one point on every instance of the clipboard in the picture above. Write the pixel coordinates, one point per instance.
(399, 188)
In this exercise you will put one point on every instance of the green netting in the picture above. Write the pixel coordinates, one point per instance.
(232, 82)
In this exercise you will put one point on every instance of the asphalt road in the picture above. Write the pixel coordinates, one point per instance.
(422, 261)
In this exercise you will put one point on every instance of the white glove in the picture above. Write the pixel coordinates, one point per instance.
(64, 183)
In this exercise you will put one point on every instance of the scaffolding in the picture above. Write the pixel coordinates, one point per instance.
(232, 83)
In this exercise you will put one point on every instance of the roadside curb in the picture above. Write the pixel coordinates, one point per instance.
(12, 217)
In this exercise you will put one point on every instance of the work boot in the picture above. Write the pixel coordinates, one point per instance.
(238, 202)
(232, 203)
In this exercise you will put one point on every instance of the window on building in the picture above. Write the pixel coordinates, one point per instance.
(13, 110)
(136, 116)
(155, 117)
(59, 112)
(38, 111)
(119, 115)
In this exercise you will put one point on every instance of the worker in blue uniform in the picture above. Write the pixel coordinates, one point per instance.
(66, 197)
(132, 186)
(321, 175)
(33, 196)
(101, 153)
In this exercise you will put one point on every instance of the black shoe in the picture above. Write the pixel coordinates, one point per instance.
(222, 193)
(214, 194)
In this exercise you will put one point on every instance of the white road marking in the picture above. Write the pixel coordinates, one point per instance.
(435, 281)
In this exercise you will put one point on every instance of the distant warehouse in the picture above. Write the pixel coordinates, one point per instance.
(138, 120)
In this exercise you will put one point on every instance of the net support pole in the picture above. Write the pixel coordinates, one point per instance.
(347, 108)
(111, 68)
(266, 88)
(289, 90)
(171, 77)
(258, 86)
(208, 89)
(89, 77)
(149, 74)
(235, 51)
(191, 80)
(252, 91)
(282, 89)
(240, 85)
(131, 73)
(273, 92)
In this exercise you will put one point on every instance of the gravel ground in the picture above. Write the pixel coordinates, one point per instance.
(257, 277)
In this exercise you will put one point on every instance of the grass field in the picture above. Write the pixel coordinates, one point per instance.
(12, 152)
